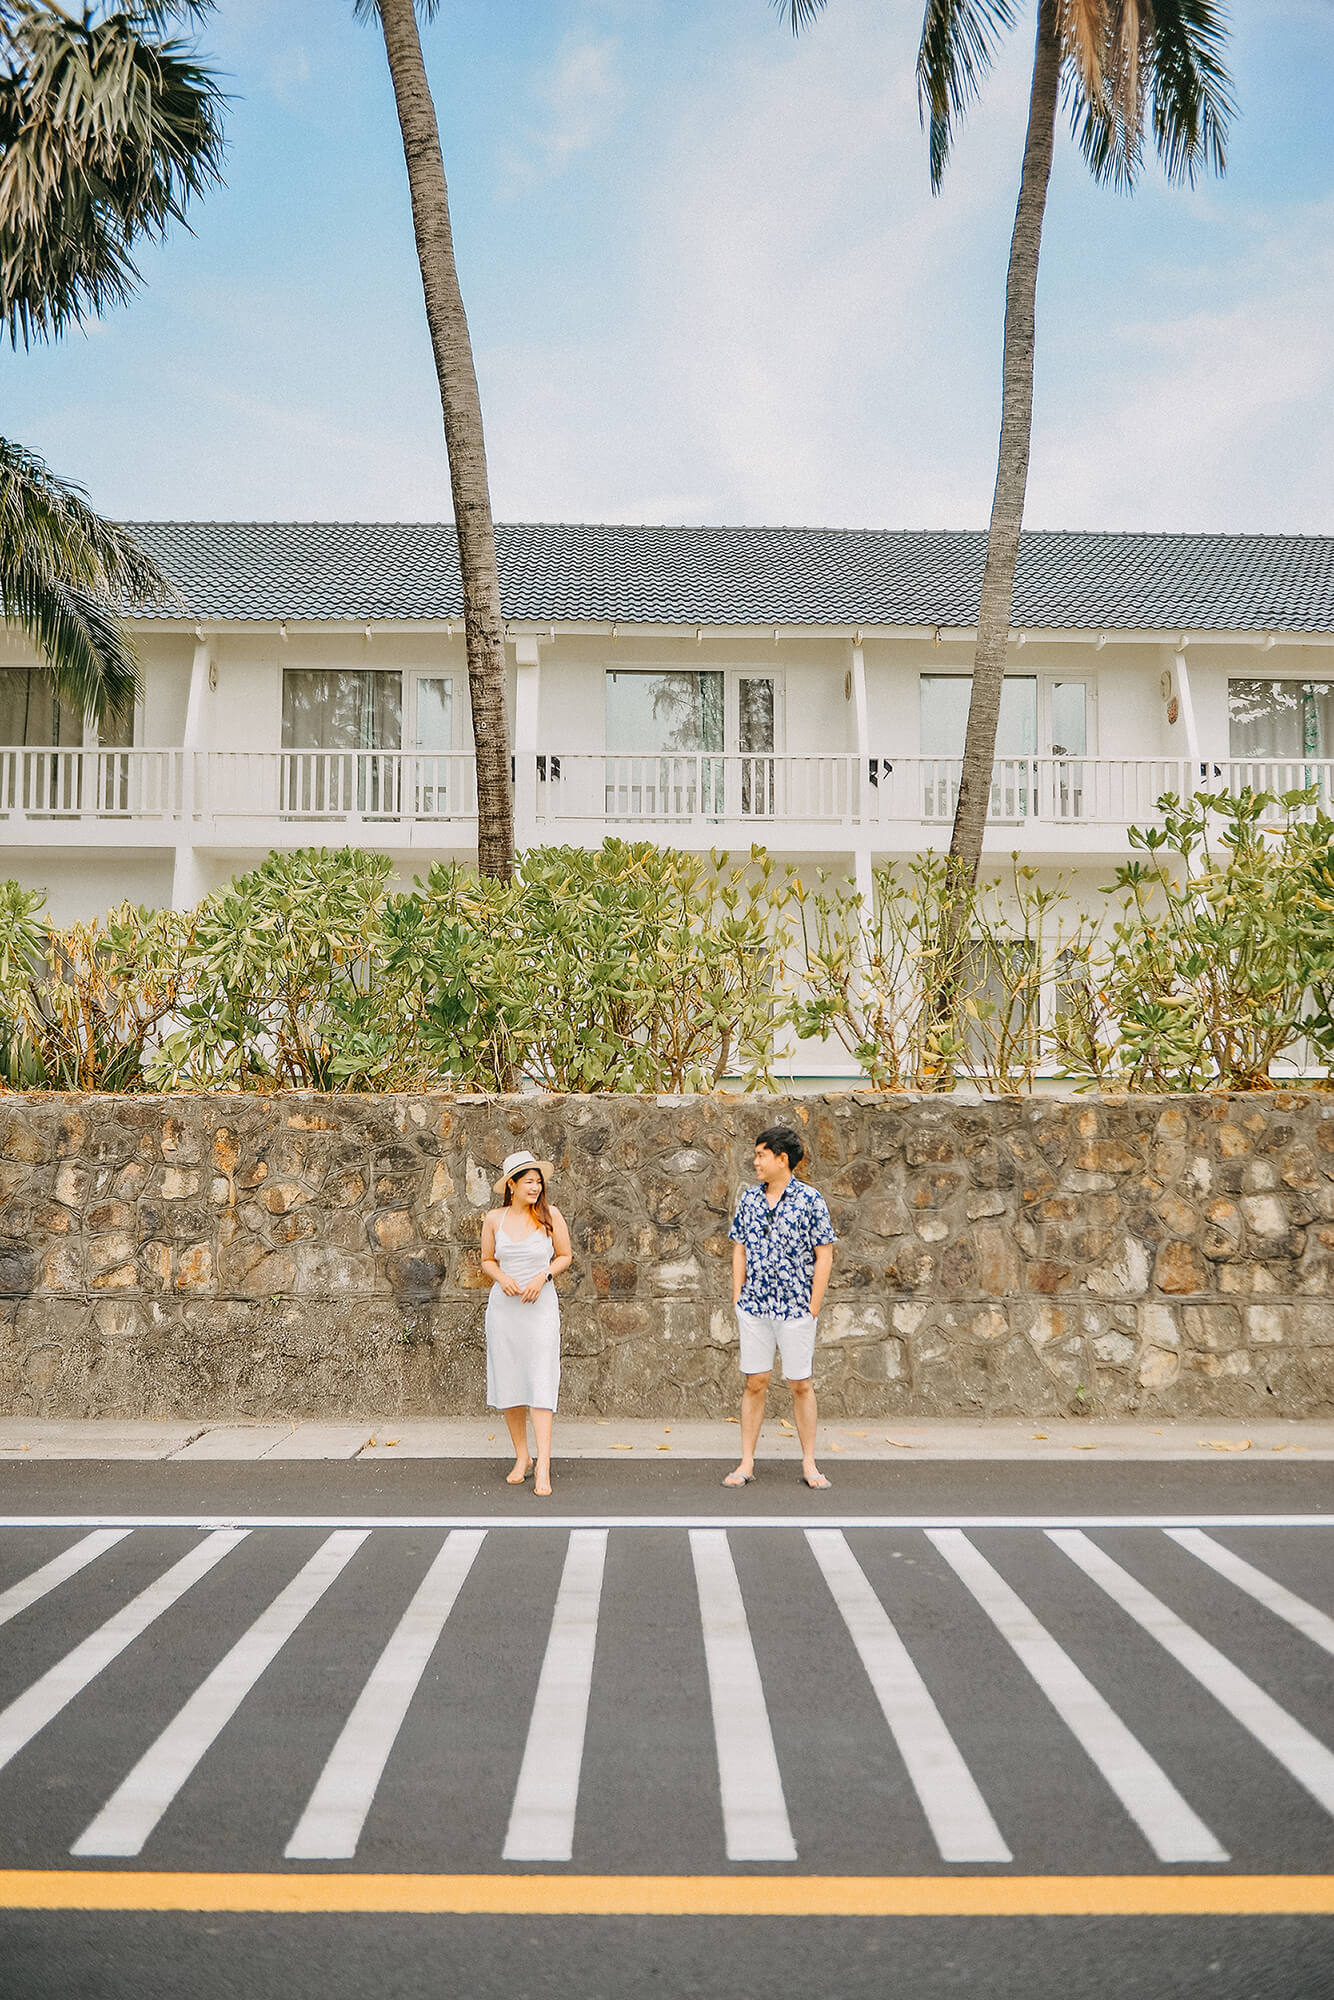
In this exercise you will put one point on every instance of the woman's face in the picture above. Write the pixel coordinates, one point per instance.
(528, 1187)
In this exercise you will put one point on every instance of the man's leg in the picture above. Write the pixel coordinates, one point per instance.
(803, 1416)
(752, 1416)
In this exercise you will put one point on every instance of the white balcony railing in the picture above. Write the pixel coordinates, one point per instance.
(337, 785)
(672, 790)
(91, 784)
(843, 789)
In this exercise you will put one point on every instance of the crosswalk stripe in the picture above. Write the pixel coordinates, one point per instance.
(541, 1826)
(35, 1707)
(67, 1564)
(1283, 1603)
(330, 1827)
(1303, 1755)
(755, 1821)
(1172, 1829)
(956, 1812)
(139, 1801)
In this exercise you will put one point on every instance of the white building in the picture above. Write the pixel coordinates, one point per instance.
(707, 687)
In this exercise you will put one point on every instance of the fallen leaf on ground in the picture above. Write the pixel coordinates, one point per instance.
(731, 1420)
(391, 1441)
(1224, 1444)
(861, 1434)
(900, 1444)
(491, 1437)
(1039, 1434)
(1083, 1447)
(622, 1447)
(1273, 1447)
(369, 1443)
(664, 1447)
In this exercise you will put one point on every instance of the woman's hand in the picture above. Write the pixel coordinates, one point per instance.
(510, 1286)
(532, 1293)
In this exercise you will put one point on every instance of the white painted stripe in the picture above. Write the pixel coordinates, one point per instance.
(419, 1523)
(68, 1563)
(541, 1824)
(955, 1809)
(1303, 1755)
(138, 1803)
(1275, 1597)
(755, 1821)
(33, 1709)
(330, 1827)
(1172, 1829)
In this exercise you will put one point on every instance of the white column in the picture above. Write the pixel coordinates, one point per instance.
(861, 791)
(187, 880)
(1187, 711)
(527, 690)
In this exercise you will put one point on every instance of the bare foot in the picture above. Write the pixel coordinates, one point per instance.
(542, 1483)
(741, 1477)
(522, 1468)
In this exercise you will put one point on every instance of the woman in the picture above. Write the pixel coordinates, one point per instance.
(525, 1245)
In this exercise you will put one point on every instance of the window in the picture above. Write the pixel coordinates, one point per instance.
(31, 717)
(666, 738)
(341, 728)
(664, 712)
(1040, 716)
(1281, 719)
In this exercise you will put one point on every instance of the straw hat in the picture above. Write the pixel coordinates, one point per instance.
(518, 1163)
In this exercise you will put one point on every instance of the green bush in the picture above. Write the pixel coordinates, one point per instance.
(640, 968)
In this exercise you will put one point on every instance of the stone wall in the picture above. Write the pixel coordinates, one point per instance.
(251, 1255)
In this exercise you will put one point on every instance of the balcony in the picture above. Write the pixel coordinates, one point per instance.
(819, 803)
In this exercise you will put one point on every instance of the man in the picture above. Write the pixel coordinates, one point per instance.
(782, 1254)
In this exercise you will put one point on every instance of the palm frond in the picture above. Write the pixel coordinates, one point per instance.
(1189, 92)
(958, 46)
(369, 10)
(799, 14)
(1082, 26)
(66, 577)
(105, 135)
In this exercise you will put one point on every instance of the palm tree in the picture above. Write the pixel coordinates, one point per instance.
(65, 575)
(107, 127)
(464, 439)
(1123, 66)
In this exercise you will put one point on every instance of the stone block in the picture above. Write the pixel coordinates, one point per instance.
(1179, 1267)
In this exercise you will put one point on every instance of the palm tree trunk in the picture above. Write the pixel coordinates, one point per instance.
(1007, 506)
(464, 439)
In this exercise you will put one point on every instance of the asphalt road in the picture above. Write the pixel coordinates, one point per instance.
(649, 1696)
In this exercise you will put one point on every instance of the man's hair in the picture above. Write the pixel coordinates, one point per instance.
(782, 1139)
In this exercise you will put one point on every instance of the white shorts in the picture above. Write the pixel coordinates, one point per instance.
(794, 1339)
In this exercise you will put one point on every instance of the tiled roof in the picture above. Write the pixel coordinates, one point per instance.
(769, 576)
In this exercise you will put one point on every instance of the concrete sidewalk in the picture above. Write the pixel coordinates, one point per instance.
(1033, 1440)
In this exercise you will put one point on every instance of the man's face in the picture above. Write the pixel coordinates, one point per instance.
(768, 1166)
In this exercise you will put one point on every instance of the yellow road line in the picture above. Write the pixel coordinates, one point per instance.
(675, 1895)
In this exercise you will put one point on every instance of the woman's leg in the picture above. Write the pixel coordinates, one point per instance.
(542, 1432)
(516, 1422)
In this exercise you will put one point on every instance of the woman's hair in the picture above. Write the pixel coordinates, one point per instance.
(541, 1207)
(782, 1139)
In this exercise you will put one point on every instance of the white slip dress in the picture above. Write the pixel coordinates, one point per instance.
(522, 1341)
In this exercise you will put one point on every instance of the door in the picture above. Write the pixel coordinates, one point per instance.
(433, 743)
(756, 741)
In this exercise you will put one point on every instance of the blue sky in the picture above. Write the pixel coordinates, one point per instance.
(707, 281)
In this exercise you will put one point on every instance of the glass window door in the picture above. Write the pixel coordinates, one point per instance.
(344, 728)
(31, 717)
(665, 739)
(756, 741)
(433, 741)
(1281, 719)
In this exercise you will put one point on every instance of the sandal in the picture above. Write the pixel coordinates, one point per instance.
(817, 1485)
(733, 1482)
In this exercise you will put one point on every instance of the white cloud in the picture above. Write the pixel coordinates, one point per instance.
(579, 101)
(1217, 413)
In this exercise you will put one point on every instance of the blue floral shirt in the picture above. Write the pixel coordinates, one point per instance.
(780, 1245)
